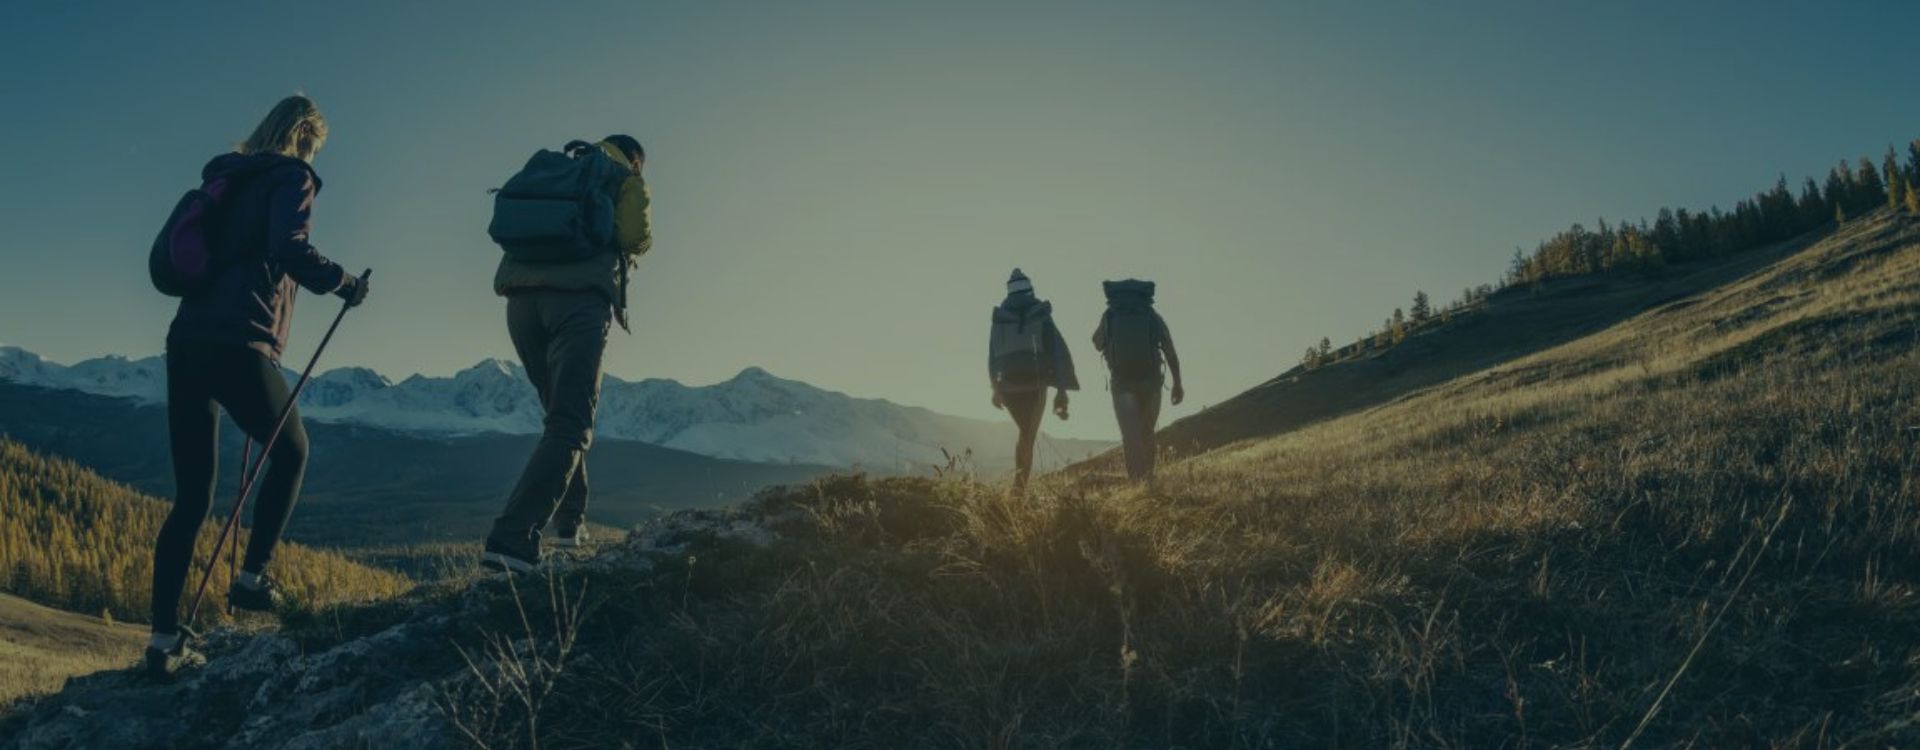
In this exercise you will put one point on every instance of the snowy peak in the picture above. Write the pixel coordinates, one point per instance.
(340, 386)
(755, 375)
(21, 366)
(492, 396)
(358, 378)
(144, 380)
(491, 369)
(753, 416)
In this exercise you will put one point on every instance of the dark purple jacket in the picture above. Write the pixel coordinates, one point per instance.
(267, 214)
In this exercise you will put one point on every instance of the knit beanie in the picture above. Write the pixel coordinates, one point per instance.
(1018, 283)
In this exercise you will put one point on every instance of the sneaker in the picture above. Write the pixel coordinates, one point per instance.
(168, 664)
(263, 597)
(575, 537)
(499, 557)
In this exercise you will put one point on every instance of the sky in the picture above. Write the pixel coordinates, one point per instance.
(840, 189)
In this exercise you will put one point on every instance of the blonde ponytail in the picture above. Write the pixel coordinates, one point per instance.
(293, 128)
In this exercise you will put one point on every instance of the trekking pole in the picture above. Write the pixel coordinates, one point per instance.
(233, 552)
(266, 447)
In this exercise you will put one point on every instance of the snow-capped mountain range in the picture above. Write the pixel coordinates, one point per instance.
(755, 416)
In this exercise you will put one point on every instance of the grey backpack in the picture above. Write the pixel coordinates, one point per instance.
(1017, 351)
(559, 207)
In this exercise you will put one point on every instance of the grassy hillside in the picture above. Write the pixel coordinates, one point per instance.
(41, 647)
(1696, 527)
(1504, 326)
(1572, 284)
(73, 540)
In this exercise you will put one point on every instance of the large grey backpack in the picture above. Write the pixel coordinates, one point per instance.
(1133, 332)
(1017, 350)
(559, 207)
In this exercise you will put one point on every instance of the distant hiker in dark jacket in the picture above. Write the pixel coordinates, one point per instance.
(1135, 340)
(223, 350)
(558, 315)
(1025, 355)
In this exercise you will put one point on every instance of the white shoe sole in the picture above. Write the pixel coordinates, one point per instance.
(570, 542)
(505, 563)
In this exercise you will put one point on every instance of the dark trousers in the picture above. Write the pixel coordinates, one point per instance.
(560, 337)
(1137, 408)
(202, 378)
(1027, 408)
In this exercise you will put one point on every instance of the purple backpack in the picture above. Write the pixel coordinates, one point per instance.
(185, 257)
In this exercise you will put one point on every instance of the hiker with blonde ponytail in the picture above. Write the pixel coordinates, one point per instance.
(223, 351)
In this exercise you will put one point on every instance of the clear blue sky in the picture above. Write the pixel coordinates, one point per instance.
(840, 189)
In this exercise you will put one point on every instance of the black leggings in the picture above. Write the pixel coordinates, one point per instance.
(200, 380)
(1028, 409)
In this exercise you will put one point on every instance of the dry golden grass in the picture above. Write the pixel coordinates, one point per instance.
(40, 648)
(1695, 528)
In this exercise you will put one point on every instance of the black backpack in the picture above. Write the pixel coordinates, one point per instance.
(560, 206)
(1133, 332)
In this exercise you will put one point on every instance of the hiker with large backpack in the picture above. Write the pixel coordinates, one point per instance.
(571, 224)
(236, 251)
(1135, 341)
(1026, 355)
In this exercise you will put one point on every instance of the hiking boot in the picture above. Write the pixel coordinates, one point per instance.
(506, 559)
(262, 596)
(575, 537)
(168, 664)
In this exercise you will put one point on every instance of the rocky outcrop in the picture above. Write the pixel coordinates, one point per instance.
(385, 689)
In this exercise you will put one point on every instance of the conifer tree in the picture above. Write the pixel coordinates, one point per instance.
(1422, 307)
(1891, 174)
(1666, 230)
(1913, 200)
(1839, 192)
(1813, 209)
(1398, 326)
(1778, 211)
(1870, 190)
(1326, 347)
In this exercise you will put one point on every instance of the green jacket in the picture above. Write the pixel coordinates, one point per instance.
(606, 274)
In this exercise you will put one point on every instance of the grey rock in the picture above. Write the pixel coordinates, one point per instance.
(260, 690)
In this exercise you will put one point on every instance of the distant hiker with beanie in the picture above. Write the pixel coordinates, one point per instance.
(1026, 355)
(1135, 341)
(571, 224)
(223, 350)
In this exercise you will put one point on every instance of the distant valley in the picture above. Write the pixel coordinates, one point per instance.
(369, 486)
